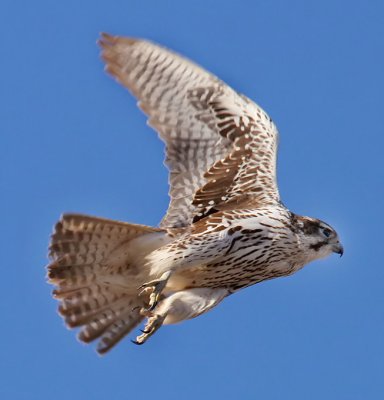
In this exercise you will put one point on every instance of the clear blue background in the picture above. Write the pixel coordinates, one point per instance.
(71, 139)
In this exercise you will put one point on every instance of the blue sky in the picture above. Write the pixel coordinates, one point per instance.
(73, 140)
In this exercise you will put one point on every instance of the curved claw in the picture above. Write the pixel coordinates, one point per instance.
(136, 342)
(152, 325)
(153, 305)
(154, 288)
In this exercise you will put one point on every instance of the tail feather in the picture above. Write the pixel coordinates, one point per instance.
(87, 300)
(73, 276)
(91, 239)
(76, 316)
(117, 331)
(98, 325)
(96, 270)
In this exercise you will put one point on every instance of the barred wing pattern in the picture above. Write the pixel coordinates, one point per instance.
(219, 144)
(247, 174)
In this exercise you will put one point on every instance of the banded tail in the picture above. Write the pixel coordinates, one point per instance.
(97, 266)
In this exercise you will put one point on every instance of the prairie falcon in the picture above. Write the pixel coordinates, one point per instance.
(225, 229)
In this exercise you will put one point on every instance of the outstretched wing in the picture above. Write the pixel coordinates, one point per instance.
(220, 146)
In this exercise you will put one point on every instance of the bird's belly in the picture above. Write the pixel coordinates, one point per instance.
(228, 274)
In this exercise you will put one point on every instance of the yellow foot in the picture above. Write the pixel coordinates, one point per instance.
(154, 289)
(154, 322)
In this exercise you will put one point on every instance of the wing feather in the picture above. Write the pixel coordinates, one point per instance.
(218, 143)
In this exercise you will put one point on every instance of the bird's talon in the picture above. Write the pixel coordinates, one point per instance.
(154, 288)
(153, 300)
(153, 324)
(145, 290)
(145, 312)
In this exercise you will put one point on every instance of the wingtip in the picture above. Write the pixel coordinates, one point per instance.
(106, 35)
(106, 39)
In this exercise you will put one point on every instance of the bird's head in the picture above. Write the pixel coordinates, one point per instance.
(316, 238)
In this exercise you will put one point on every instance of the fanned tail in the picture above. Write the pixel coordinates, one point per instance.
(96, 266)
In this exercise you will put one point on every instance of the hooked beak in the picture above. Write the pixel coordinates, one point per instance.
(338, 248)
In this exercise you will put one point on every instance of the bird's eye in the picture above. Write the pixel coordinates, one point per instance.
(326, 232)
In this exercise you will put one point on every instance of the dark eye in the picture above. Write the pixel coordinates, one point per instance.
(326, 232)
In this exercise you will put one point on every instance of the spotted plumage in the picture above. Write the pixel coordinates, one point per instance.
(225, 228)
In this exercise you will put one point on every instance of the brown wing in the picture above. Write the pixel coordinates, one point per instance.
(214, 137)
(247, 175)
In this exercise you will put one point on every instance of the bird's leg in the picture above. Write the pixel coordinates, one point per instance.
(179, 306)
(154, 322)
(154, 289)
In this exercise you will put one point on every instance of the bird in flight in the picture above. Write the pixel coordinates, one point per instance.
(225, 229)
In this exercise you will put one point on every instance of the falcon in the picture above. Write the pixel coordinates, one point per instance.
(225, 229)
